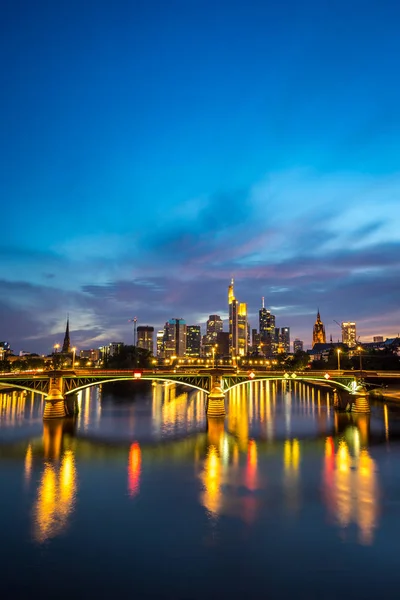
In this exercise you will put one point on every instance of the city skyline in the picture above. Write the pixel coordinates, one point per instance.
(153, 151)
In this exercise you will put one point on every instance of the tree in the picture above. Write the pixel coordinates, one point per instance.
(130, 357)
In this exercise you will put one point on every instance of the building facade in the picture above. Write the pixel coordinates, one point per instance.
(145, 337)
(174, 338)
(284, 340)
(268, 338)
(349, 335)
(238, 331)
(193, 340)
(214, 326)
(298, 345)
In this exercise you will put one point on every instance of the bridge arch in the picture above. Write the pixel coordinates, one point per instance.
(26, 388)
(327, 382)
(146, 378)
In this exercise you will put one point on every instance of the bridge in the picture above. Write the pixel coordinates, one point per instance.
(58, 386)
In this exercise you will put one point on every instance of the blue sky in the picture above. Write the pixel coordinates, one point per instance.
(151, 150)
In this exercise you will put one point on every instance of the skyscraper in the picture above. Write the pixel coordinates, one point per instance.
(160, 343)
(267, 331)
(319, 331)
(243, 333)
(233, 321)
(298, 345)
(175, 338)
(214, 326)
(145, 337)
(285, 339)
(237, 324)
(349, 335)
(193, 340)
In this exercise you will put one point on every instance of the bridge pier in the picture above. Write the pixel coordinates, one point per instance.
(361, 403)
(216, 399)
(54, 407)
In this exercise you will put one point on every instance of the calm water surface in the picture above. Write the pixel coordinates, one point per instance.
(140, 496)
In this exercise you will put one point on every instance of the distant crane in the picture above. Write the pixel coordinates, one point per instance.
(340, 325)
(134, 321)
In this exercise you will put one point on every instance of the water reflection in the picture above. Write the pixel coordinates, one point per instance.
(56, 494)
(18, 406)
(134, 469)
(350, 481)
(291, 463)
(264, 453)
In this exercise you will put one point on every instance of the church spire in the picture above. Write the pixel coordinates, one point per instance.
(67, 342)
(319, 331)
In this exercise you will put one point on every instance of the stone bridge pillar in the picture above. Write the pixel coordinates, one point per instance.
(54, 407)
(216, 398)
(356, 401)
(361, 402)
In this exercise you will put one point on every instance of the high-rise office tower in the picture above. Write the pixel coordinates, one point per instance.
(175, 338)
(160, 343)
(233, 321)
(193, 340)
(298, 345)
(267, 331)
(243, 332)
(145, 337)
(349, 335)
(285, 339)
(214, 325)
(319, 331)
(237, 324)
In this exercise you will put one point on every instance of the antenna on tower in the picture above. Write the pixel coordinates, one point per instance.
(134, 321)
(263, 302)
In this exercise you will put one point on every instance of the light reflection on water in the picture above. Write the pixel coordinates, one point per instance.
(271, 445)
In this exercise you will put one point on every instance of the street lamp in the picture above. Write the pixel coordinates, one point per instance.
(73, 356)
(360, 355)
(214, 350)
(56, 347)
(338, 359)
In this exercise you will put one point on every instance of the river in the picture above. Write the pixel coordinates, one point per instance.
(141, 496)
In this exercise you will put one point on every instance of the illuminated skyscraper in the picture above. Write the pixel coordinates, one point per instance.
(243, 333)
(237, 324)
(349, 335)
(233, 321)
(160, 343)
(267, 331)
(193, 340)
(285, 339)
(175, 338)
(214, 326)
(145, 337)
(319, 331)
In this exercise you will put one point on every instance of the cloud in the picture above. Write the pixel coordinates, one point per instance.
(300, 239)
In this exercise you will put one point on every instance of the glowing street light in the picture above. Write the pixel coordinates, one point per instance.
(56, 347)
(73, 356)
(359, 348)
(338, 358)
(213, 350)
